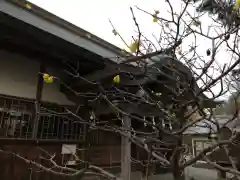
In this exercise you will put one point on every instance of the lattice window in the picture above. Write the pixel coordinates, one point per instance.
(200, 144)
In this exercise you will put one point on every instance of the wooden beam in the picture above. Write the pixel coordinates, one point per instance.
(126, 150)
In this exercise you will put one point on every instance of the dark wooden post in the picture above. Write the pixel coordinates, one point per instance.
(84, 113)
(37, 100)
(221, 175)
(85, 153)
(126, 150)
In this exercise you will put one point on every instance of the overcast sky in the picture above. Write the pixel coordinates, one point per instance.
(94, 15)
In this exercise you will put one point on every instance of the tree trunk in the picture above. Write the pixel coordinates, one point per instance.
(178, 173)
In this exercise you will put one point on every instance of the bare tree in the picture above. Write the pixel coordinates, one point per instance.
(167, 77)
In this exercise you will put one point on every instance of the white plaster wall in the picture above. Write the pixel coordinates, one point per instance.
(18, 77)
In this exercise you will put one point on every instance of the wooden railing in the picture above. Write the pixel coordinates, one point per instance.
(17, 122)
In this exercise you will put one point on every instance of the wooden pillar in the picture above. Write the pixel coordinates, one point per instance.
(84, 113)
(126, 151)
(221, 175)
(86, 145)
(37, 100)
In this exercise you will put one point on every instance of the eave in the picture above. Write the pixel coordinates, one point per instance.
(54, 25)
(153, 72)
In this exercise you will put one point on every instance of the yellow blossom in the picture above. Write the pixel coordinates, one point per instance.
(155, 19)
(47, 78)
(116, 79)
(134, 46)
(28, 6)
(237, 5)
(237, 2)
